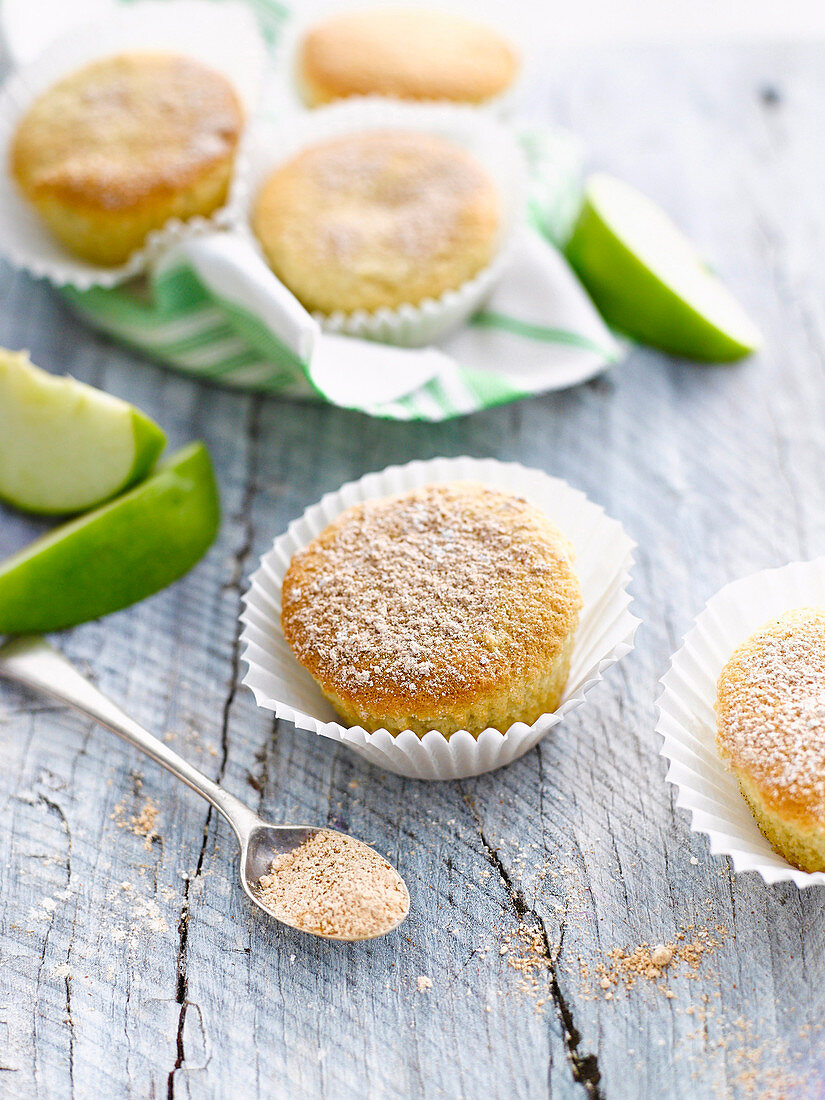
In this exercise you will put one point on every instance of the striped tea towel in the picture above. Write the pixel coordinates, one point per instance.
(537, 332)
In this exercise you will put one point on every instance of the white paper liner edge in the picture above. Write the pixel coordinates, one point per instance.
(494, 145)
(223, 36)
(604, 555)
(687, 723)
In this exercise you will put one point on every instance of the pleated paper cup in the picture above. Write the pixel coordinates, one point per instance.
(223, 36)
(496, 148)
(605, 633)
(687, 720)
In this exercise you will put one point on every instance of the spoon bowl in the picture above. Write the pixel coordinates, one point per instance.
(34, 663)
(266, 842)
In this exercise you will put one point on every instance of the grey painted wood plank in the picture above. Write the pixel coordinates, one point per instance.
(715, 471)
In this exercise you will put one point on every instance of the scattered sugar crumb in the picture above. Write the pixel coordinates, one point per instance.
(525, 952)
(622, 968)
(137, 915)
(661, 955)
(143, 823)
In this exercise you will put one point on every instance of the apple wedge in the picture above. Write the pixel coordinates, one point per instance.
(648, 280)
(117, 554)
(65, 446)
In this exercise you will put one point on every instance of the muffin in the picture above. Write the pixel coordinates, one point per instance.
(408, 53)
(770, 710)
(449, 607)
(119, 147)
(376, 220)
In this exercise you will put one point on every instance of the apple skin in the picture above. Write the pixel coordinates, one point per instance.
(117, 554)
(634, 300)
(149, 443)
(76, 414)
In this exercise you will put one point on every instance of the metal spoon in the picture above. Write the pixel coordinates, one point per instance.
(36, 664)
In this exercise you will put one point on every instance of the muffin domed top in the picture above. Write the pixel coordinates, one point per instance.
(377, 219)
(124, 128)
(771, 711)
(410, 53)
(442, 593)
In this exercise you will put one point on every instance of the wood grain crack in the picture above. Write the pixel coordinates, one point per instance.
(238, 566)
(583, 1067)
(57, 809)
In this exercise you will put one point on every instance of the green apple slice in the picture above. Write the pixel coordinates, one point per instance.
(648, 280)
(65, 446)
(117, 554)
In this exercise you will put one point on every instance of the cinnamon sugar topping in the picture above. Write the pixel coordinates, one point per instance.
(771, 707)
(415, 212)
(429, 593)
(378, 219)
(127, 126)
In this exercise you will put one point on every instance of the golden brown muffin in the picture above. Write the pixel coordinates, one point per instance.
(118, 148)
(408, 53)
(377, 219)
(770, 711)
(449, 607)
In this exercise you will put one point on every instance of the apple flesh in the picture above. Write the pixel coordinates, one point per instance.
(66, 447)
(648, 280)
(117, 554)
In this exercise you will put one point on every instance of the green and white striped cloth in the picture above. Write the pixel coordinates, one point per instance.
(537, 332)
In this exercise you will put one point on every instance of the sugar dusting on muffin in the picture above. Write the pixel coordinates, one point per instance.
(452, 606)
(377, 219)
(771, 729)
(119, 147)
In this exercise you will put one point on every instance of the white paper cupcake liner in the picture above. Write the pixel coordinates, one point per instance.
(285, 86)
(223, 36)
(687, 720)
(604, 636)
(494, 146)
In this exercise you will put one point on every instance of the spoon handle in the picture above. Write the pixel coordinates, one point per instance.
(31, 661)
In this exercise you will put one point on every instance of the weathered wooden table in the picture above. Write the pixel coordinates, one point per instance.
(130, 964)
